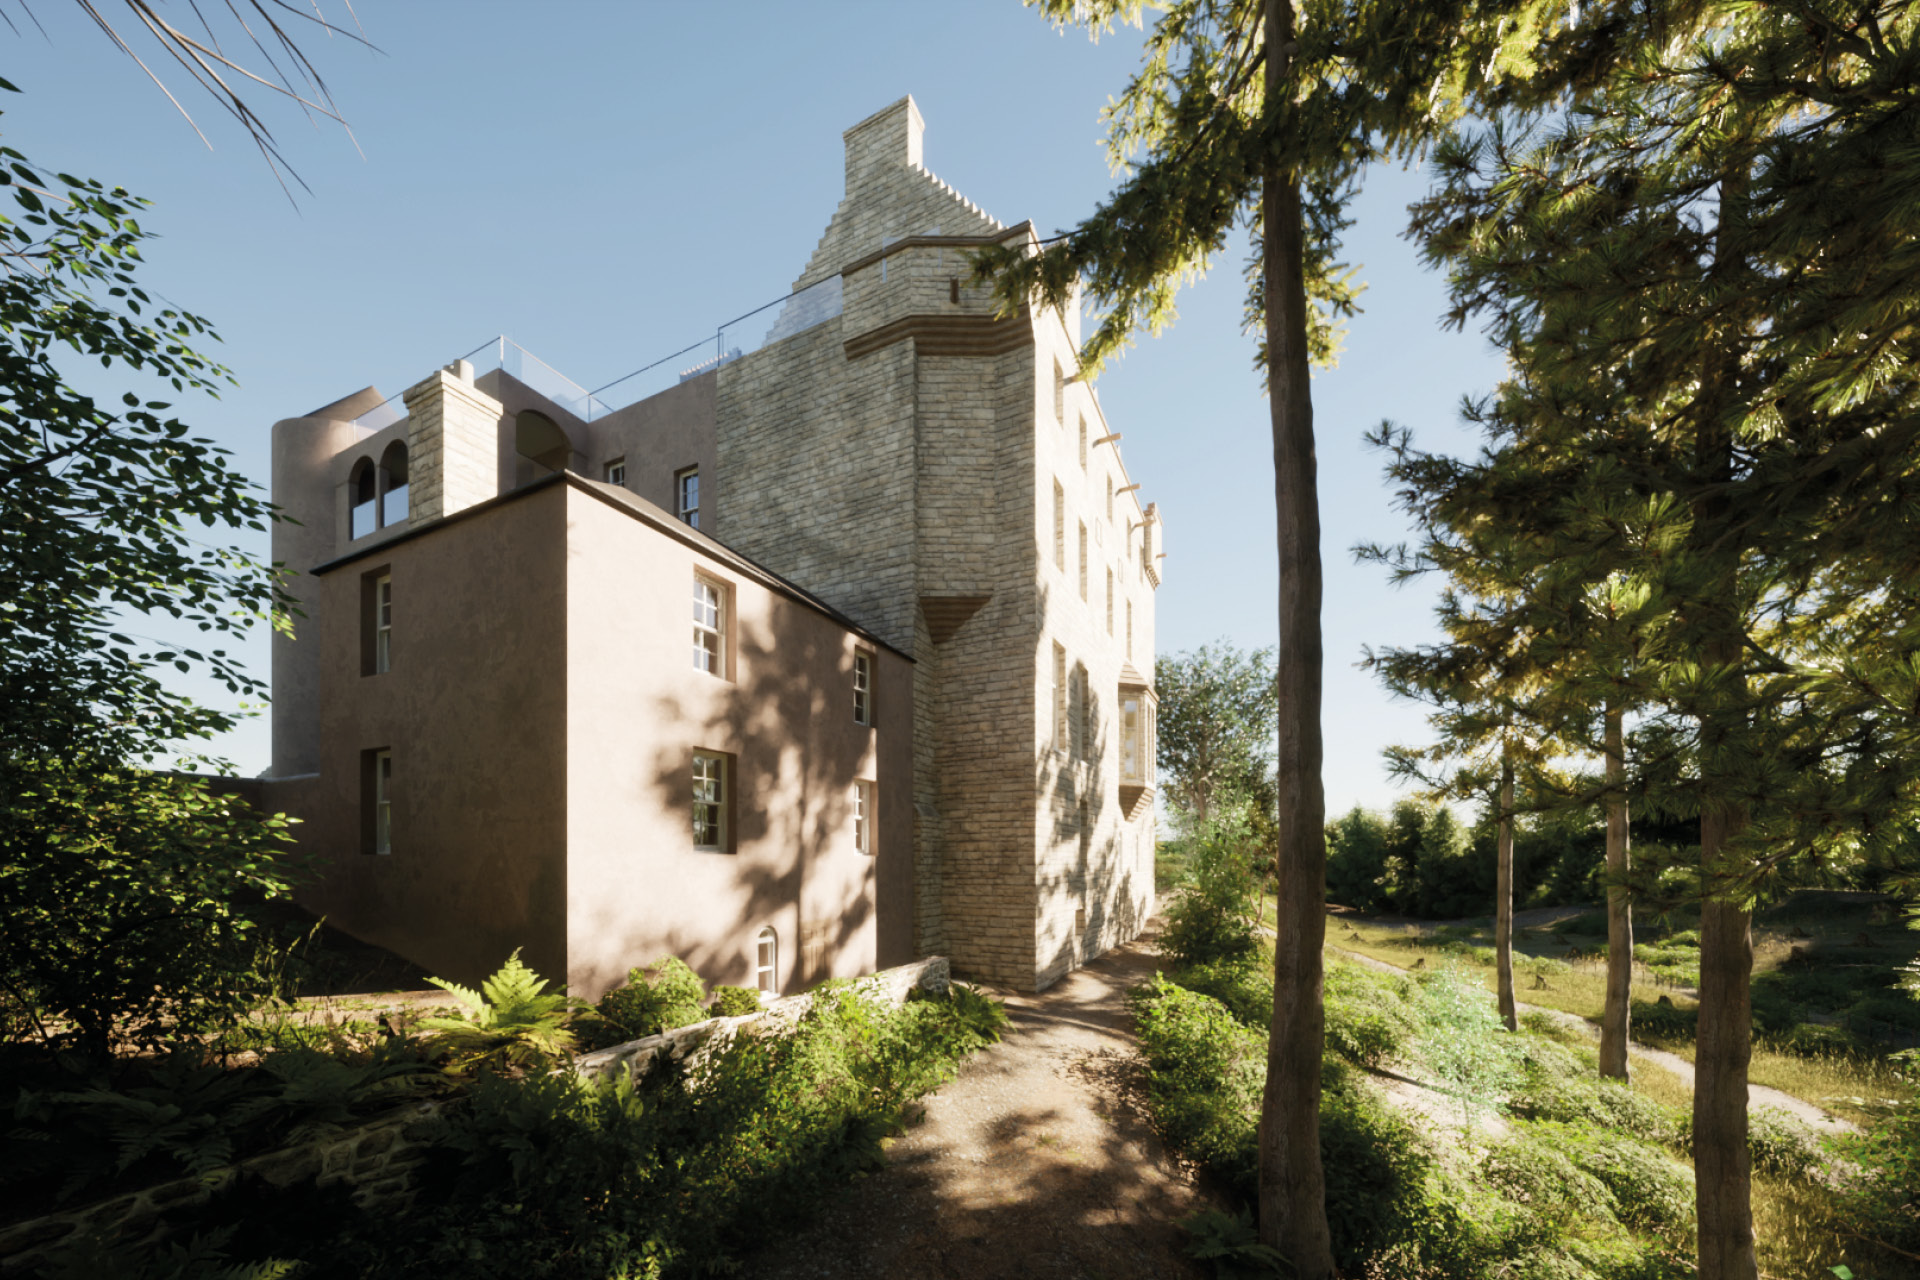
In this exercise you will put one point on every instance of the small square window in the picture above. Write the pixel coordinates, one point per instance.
(617, 472)
(863, 817)
(862, 688)
(686, 488)
(709, 628)
(710, 800)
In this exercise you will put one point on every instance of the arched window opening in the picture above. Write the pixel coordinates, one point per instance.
(766, 961)
(393, 484)
(364, 515)
(539, 440)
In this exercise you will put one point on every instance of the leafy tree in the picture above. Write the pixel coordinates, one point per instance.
(118, 888)
(1702, 266)
(1250, 110)
(121, 895)
(1215, 723)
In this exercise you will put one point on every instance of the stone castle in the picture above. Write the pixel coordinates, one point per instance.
(923, 497)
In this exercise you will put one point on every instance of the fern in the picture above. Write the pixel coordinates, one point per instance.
(508, 1021)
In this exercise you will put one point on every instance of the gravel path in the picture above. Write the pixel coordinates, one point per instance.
(1035, 1162)
(1758, 1095)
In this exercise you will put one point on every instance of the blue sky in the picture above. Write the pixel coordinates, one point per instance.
(605, 183)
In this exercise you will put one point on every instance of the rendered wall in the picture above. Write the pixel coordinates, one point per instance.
(637, 708)
(473, 711)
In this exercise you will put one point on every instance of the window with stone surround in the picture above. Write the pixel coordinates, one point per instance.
(1109, 601)
(1059, 394)
(863, 688)
(1059, 697)
(1083, 442)
(1059, 527)
(1109, 497)
(709, 627)
(686, 490)
(1129, 631)
(1083, 559)
(863, 817)
(711, 795)
(1082, 713)
(376, 621)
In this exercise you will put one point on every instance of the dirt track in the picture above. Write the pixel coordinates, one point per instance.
(1036, 1162)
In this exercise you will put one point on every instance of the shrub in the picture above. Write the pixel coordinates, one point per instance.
(734, 1002)
(1882, 1197)
(664, 995)
(1649, 1189)
(1562, 1085)
(1205, 1074)
(1782, 1144)
(123, 905)
(1544, 966)
(1244, 986)
(1368, 1018)
(1463, 1042)
(1211, 917)
(1536, 1173)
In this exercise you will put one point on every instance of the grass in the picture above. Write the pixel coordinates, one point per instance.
(1855, 1086)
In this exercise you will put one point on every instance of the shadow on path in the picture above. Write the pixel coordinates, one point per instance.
(1035, 1162)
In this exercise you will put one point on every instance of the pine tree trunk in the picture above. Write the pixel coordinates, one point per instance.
(1722, 1050)
(1723, 1044)
(1503, 901)
(1614, 1017)
(1293, 1201)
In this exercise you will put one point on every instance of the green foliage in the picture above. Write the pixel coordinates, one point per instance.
(1205, 1074)
(121, 904)
(1564, 1085)
(976, 1016)
(201, 1257)
(1228, 1242)
(1417, 860)
(552, 1176)
(1882, 1198)
(187, 1115)
(507, 1023)
(1369, 1017)
(1781, 1144)
(663, 995)
(1463, 1043)
(1214, 730)
(1244, 987)
(1649, 1189)
(734, 1002)
(1211, 916)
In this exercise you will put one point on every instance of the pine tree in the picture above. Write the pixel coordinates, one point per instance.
(1251, 109)
(1712, 252)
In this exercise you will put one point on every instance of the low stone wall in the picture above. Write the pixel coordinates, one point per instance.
(378, 1159)
(683, 1044)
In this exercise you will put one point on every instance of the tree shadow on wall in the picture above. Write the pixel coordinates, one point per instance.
(787, 721)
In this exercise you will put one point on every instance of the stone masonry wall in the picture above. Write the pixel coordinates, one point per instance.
(889, 195)
(453, 432)
(378, 1159)
(1094, 865)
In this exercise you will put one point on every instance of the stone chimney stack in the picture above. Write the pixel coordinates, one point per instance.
(888, 138)
(453, 433)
